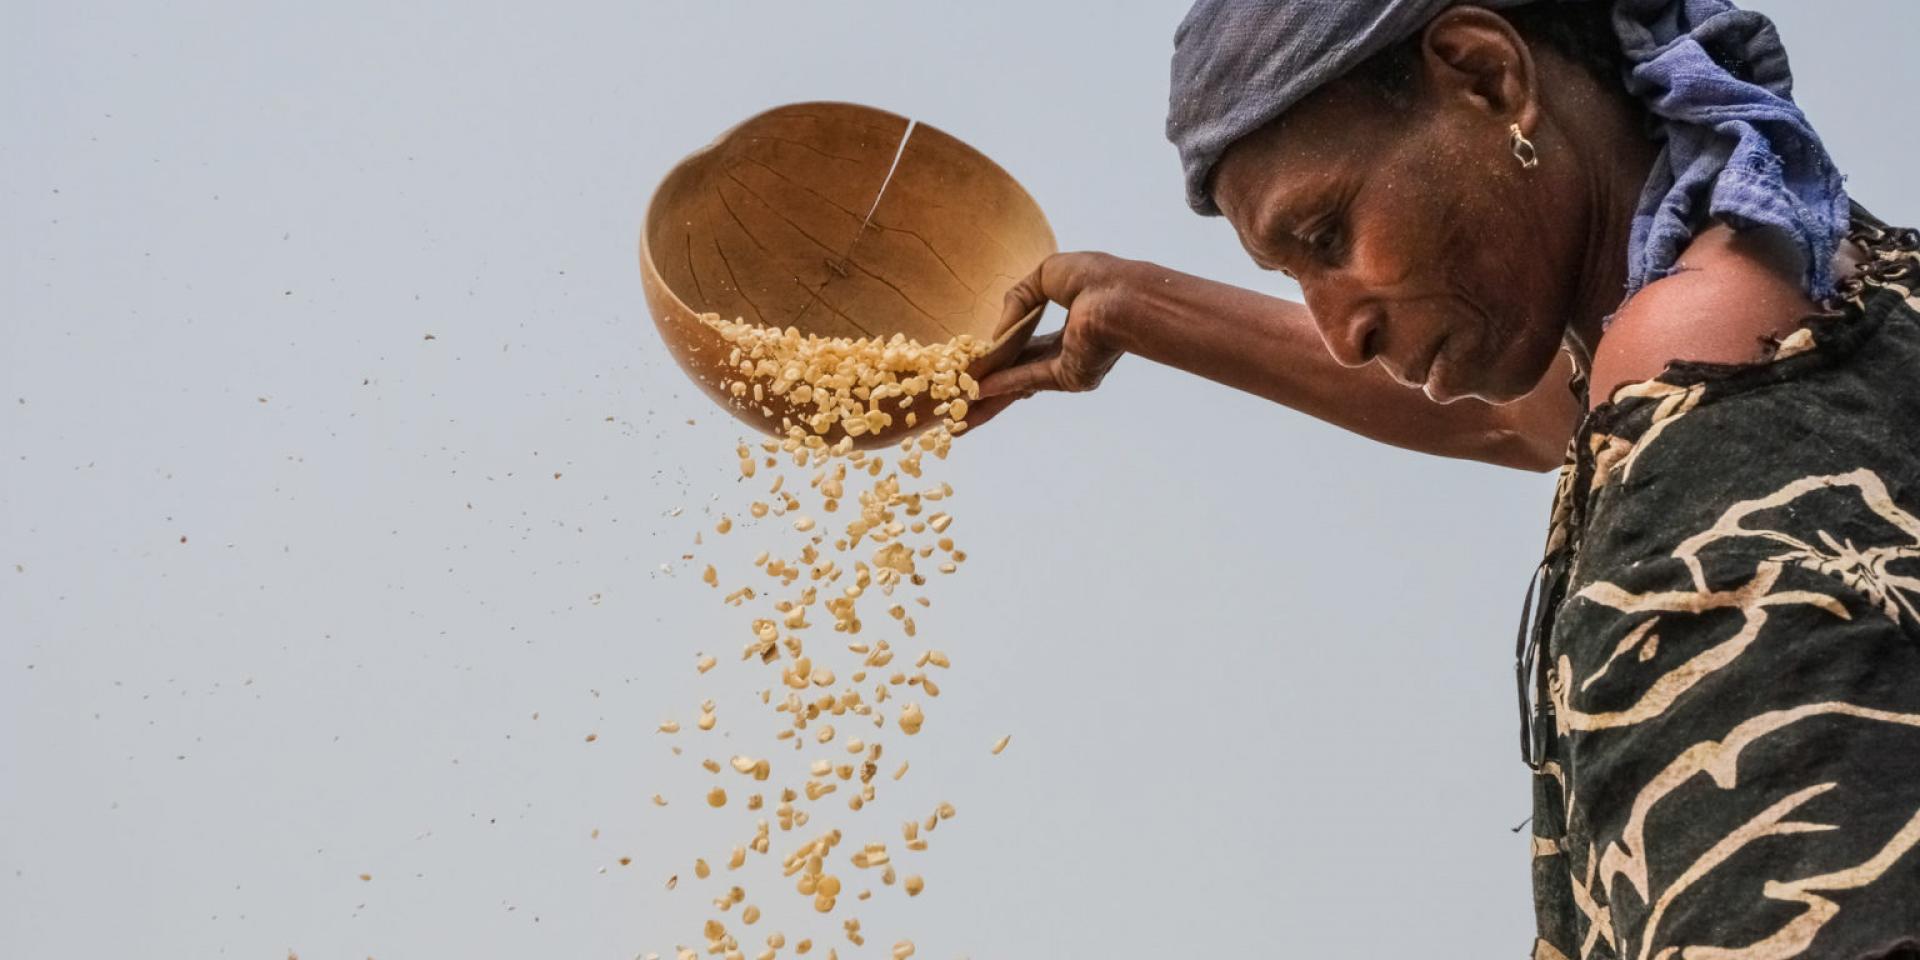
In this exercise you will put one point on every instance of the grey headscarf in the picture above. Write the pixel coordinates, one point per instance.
(1715, 77)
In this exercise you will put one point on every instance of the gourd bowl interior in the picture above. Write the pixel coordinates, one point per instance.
(840, 220)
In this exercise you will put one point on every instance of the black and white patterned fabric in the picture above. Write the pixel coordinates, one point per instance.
(1722, 691)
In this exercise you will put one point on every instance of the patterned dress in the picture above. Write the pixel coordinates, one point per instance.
(1721, 695)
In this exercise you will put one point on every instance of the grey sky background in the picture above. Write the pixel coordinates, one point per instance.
(1257, 671)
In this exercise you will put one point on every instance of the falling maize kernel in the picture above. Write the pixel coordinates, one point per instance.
(869, 536)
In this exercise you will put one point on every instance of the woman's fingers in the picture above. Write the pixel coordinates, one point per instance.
(1024, 378)
(1069, 359)
(987, 408)
(1057, 279)
(1038, 347)
(1021, 298)
(1003, 381)
(990, 404)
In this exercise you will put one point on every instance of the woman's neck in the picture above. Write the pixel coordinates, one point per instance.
(1614, 174)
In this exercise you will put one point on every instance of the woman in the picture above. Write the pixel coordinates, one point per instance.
(1598, 235)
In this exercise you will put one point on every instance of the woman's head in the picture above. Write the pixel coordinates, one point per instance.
(1391, 121)
(1395, 197)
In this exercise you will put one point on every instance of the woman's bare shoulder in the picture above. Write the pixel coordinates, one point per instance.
(1733, 295)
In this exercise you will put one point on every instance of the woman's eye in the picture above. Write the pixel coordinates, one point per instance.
(1324, 240)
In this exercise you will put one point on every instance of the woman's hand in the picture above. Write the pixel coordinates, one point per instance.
(1074, 359)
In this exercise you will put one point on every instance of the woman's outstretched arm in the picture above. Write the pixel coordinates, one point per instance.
(1263, 345)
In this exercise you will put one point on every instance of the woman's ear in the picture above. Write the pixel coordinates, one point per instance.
(1473, 57)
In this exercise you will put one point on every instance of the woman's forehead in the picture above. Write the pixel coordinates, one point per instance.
(1309, 151)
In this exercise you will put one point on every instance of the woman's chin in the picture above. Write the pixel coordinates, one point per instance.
(1440, 386)
(1446, 392)
(1440, 394)
(1493, 385)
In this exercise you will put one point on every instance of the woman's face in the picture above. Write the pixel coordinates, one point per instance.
(1416, 236)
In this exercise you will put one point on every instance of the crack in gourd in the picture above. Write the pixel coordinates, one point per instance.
(742, 224)
(840, 268)
(789, 221)
(694, 274)
(915, 234)
(802, 144)
(736, 282)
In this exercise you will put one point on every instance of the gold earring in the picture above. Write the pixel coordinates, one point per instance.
(1523, 149)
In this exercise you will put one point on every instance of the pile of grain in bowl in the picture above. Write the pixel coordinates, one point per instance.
(864, 535)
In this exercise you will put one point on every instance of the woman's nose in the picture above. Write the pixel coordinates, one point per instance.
(1351, 331)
